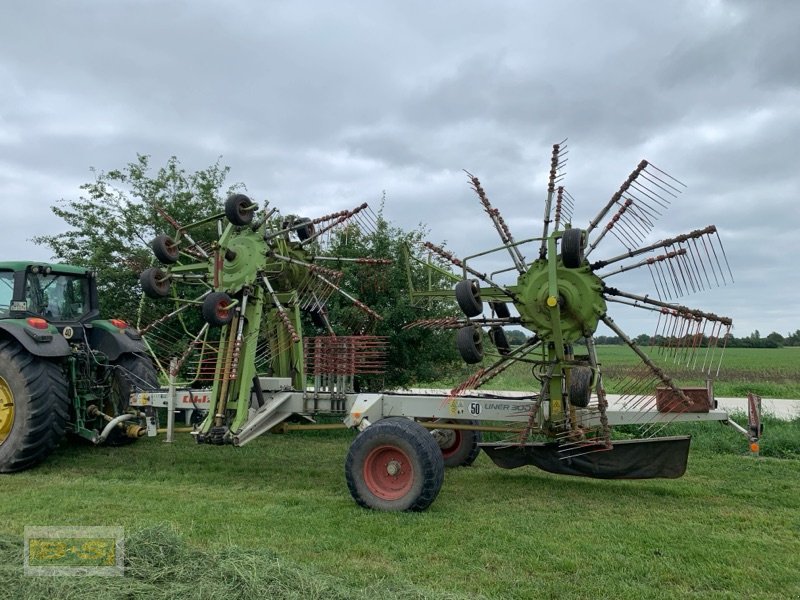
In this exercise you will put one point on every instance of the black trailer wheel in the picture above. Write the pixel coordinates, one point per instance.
(459, 446)
(500, 309)
(468, 296)
(34, 407)
(240, 209)
(155, 283)
(132, 373)
(165, 249)
(470, 344)
(216, 309)
(572, 244)
(499, 339)
(394, 465)
(580, 386)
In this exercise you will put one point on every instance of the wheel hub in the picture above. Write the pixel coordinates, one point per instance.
(388, 472)
(393, 468)
(6, 410)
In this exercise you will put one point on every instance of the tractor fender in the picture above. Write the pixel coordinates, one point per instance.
(47, 343)
(112, 341)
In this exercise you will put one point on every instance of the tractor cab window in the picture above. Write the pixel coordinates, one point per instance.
(6, 292)
(57, 297)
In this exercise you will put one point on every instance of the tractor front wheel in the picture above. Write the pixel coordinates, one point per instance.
(131, 373)
(394, 465)
(34, 407)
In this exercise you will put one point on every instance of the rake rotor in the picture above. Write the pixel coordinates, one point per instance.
(562, 296)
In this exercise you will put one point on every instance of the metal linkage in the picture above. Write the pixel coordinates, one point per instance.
(482, 276)
(457, 323)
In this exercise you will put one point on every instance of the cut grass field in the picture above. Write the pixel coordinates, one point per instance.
(274, 519)
(768, 372)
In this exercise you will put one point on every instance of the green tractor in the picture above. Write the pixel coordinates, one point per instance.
(63, 369)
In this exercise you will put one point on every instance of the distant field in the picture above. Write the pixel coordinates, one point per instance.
(768, 372)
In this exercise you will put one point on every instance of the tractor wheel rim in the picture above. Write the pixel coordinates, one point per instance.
(454, 444)
(6, 410)
(388, 473)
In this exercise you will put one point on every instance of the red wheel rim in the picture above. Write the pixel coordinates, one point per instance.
(388, 472)
(450, 450)
(222, 309)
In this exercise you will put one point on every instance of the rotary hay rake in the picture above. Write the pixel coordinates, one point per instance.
(561, 297)
(252, 284)
(260, 271)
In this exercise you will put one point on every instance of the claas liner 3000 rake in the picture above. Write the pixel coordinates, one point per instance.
(262, 271)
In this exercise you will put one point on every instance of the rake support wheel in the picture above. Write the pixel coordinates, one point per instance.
(216, 309)
(240, 209)
(468, 296)
(580, 386)
(165, 249)
(470, 344)
(572, 248)
(155, 283)
(394, 465)
(459, 446)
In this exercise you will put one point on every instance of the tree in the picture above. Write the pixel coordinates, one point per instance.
(112, 222)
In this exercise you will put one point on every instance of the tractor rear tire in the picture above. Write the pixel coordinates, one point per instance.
(34, 407)
(469, 344)
(459, 446)
(132, 372)
(572, 244)
(238, 211)
(394, 465)
(468, 296)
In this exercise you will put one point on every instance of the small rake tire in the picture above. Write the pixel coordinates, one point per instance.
(131, 373)
(469, 344)
(155, 283)
(306, 231)
(394, 465)
(214, 309)
(165, 249)
(468, 296)
(40, 407)
(498, 336)
(572, 243)
(500, 309)
(460, 449)
(580, 386)
(240, 210)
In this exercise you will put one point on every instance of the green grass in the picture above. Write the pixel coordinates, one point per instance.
(276, 516)
(768, 372)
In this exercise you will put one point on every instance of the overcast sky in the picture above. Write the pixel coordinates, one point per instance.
(321, 106)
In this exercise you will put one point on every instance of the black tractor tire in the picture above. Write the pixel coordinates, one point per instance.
(35, 408)
(580, 386)
(132, 373)
(470, 344)
(459, 446)
(214, 309)
(394, 465)
(498, 336)
(572, 244)
(240, 209)
(468, 296)
(500, 309)
(306, 231)
(155, 283)
(165, 249)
